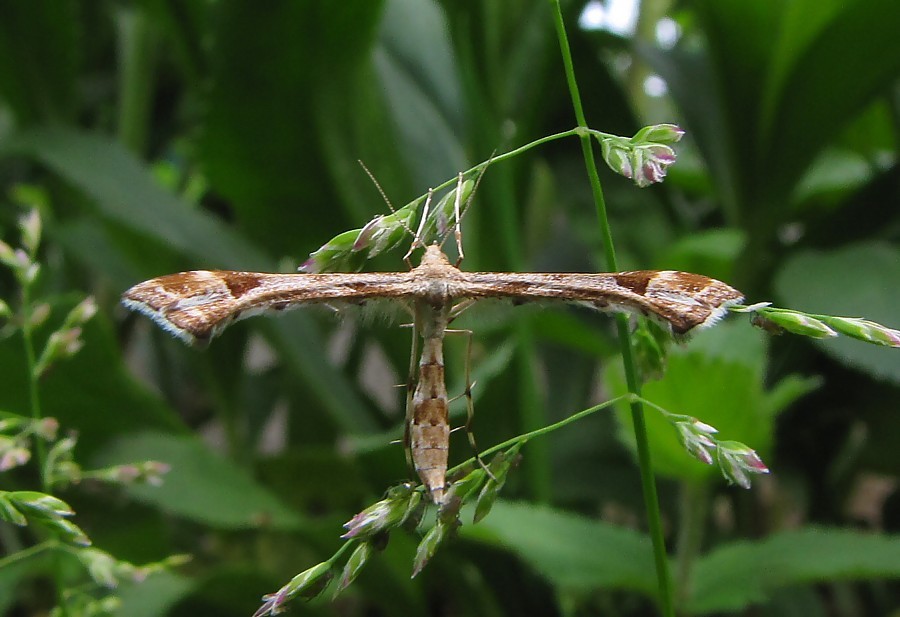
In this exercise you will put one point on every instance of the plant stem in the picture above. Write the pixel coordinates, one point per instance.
(33, 396)
(35, 403)
(581, 131)
(27, 553)
(648, 483)
(531, 404)
(694, 504)
(544, 430)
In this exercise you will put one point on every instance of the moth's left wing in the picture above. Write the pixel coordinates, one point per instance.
(196, 306)
(683, 300)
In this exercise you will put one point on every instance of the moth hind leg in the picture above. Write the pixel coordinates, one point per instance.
(470, 404)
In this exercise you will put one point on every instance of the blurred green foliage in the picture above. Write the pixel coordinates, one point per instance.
(225, 134)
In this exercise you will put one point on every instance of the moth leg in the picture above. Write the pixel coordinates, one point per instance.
(410, 390)
(470, 404)
(458, 309)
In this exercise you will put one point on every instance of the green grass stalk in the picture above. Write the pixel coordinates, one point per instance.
(651, 499)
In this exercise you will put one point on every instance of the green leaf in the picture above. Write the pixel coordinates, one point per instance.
(575, 553)
(823, 48)
(201, 485)
(39, 55)
(854, 281)
(124, 191)
(9, 511)
(261, 144)
(718, 377)
(733, 577)
(416, 66)
(711, 252)
(753, 98)
(155, 596)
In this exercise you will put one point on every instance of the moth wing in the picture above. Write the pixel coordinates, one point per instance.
(196, 306)
(682, 300)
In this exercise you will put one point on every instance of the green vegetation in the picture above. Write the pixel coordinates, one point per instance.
(146, 137)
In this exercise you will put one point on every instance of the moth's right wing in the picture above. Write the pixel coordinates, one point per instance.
(682, 300)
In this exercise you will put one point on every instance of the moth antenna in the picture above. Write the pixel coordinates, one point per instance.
(377, 186)
(394, 211)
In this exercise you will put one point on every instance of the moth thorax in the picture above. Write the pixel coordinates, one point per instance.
(432, 319)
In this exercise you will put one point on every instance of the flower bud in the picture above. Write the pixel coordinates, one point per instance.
(30, 224)
(616, 154)
(736, 459)
(61, 344)
(651, 162)
(39, 314)
(865, 330)
(354, 566)
(332, 255)
(46, 428)
(366, 234)
(7, 255)
(69, 531)
(307, 584)
(9, 512)
(14, 457)
(428, 546)
(442, 218)
(796, 322)
(42, 504)
(382, 515)
(659, 133)
(153, 472)
(644, 162)
(28, 272)
(101, 566)
(82, 312)
(694, 436)
(467, 484)
(9, 425)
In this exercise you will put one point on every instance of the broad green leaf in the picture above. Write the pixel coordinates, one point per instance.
(711, 252)
(355, 125)
(155, 596)
(124, 191)
(836, 172)
(201, 485)
(415, 64)
(260, 145)
(735, 576)
(754, 96)
(39, 56)
(572, 552)
(717, 377)
(852, 52)
(854, 281)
